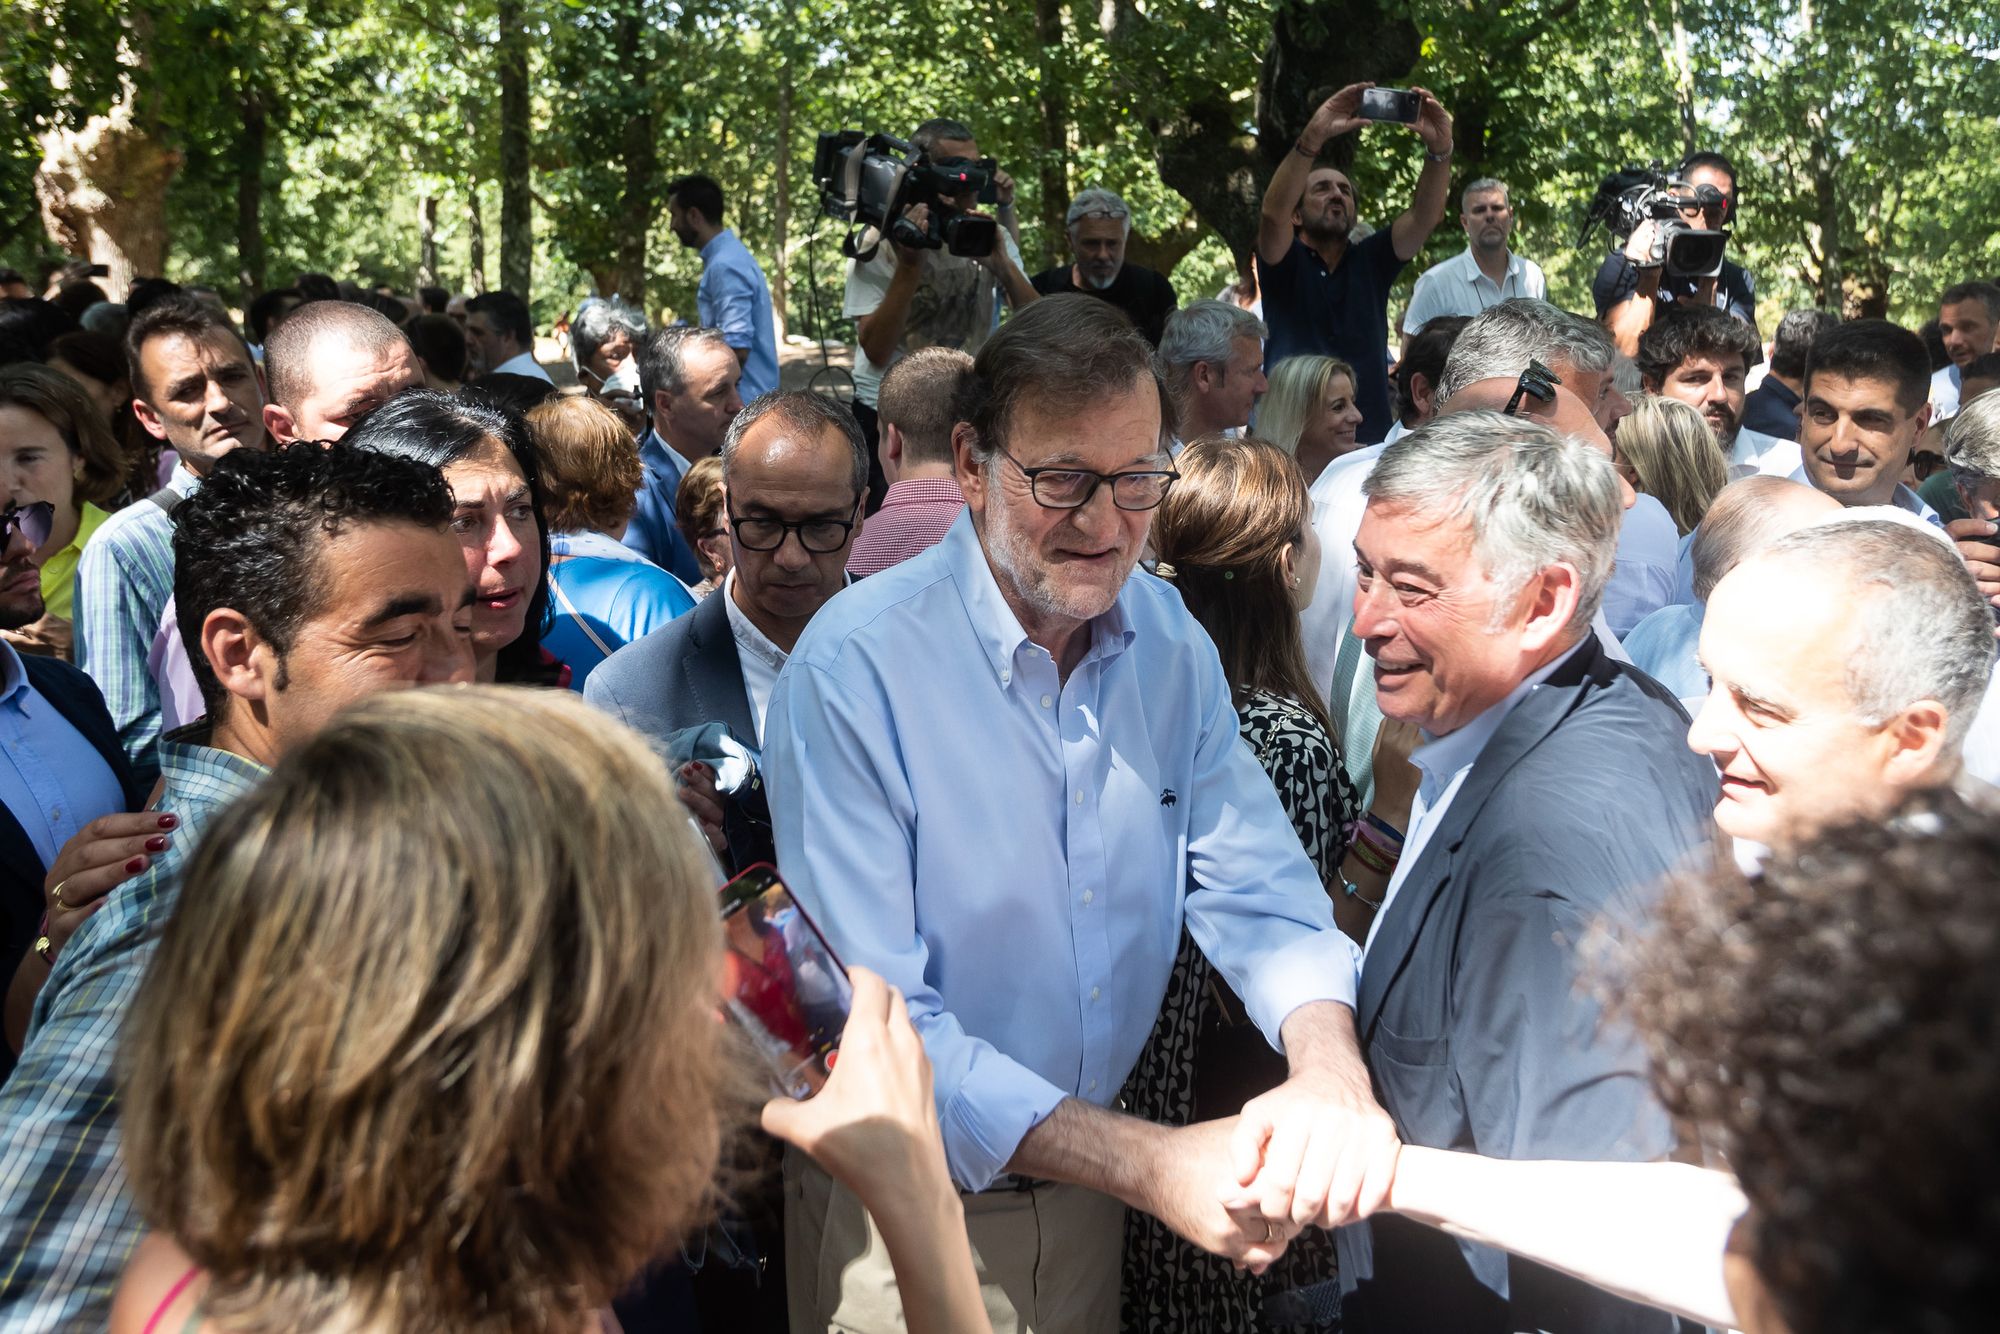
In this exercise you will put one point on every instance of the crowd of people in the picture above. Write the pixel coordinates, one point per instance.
(1470, 823)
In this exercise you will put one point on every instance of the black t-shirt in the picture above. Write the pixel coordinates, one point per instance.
(1146, 297)
(1339, 312)
(1617, 278)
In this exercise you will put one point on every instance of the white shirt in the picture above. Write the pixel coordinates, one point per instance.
(1903, 498)
(1944, 393)
(1444, 763)
(1982, 740)
(1755, 454)
(1642, 581)
(759, 658)
(525, 364)
(1459, 286)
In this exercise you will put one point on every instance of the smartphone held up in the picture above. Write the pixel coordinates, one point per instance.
(1399, 105)
(781, 983)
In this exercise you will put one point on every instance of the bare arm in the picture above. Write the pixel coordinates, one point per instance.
(1629, 319)
(1415, 225)
(1336, 116)
(880, 331)
(1651, 1232)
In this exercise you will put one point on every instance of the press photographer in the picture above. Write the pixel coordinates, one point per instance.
(924, 283)
(1664, 261)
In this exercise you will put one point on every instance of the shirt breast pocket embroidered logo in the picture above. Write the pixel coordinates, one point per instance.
(1167, 797)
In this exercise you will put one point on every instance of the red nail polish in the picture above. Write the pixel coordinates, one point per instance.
(156, 844)
(169, 821)
(136, 865)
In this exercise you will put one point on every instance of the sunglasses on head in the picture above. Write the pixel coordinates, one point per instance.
(33, 521)
(1537, 381)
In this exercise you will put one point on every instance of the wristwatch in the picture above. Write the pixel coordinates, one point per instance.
(1439, 157)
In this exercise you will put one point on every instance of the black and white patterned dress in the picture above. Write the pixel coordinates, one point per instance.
(1205, 1059)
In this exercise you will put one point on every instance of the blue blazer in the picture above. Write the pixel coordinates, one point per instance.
(1476, 1013)
(76, 697)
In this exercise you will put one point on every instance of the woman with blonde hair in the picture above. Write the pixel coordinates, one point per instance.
(1668, 450)
(465, 1072)
(1309, 412)
(1235, 536)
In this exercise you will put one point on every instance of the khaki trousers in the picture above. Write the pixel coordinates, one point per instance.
(1049, 1259)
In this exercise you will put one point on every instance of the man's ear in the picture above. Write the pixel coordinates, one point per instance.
(892, 445)
(662, 404)
(1917, 738)
(1423, 393)
(1552, 599)
(965, 466)
(148, 418)
(278, 424)
(240, 658)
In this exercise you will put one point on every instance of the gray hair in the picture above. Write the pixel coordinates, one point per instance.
(1925, 632)
(1203, 331)
(806, 414)
(1503, 339)
(941, 129)
(1485, 185)
(1972, 442)
(1532, 497)
(1096, 200)
(662, 358)
(594, 324)
(1744, 518)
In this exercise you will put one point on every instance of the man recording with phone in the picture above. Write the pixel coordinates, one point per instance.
(1324, 293)
(905, 297)
(1634, 284)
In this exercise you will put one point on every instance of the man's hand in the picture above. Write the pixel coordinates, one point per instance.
(1184, 1190)
(1003, 188)
(1318, 1148)
(694, 784)
(1979, 548)
(1338, 115)
(919, 216)
(1433, 123)
(1646, 247)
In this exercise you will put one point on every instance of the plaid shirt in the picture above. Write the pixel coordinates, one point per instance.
(916, 514)
(67, 1221)
(123, 582)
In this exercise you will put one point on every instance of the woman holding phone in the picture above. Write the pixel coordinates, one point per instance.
(466, 1072)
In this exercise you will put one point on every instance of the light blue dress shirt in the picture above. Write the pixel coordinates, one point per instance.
(734, 298)
(1664, 645)
(51, 777)
(1017, 853)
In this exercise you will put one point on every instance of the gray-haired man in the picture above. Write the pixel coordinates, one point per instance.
(1099, 225)
(1212, 355)
(1486, 274)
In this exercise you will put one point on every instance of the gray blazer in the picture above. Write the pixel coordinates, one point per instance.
(1476, 1012)
(681, 675)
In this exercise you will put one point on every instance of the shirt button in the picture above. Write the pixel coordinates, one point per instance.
(55, 812)
(1006, 678)
(1079, 796)
(1093, 1086)
(1088, 895)
(1047, 700)
(1094, 993)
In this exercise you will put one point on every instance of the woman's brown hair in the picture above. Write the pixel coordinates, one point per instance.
(590, 464)
(430, 1041)
(63, 404)
(1220, 536)
(698, 508)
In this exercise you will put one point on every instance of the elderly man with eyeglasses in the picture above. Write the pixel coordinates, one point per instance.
(1004, 773)
(1099, 225)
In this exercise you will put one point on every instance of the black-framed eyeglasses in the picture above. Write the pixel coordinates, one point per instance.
(1072, 488)
(33, 521)
(819, 536)
(1538, 381)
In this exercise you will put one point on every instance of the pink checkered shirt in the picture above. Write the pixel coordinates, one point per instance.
(914, 516)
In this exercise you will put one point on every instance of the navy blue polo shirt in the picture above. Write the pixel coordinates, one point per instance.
(1339, 312)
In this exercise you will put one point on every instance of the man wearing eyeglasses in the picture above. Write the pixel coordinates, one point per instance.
(1099, 225)
(1005, 773)
(1631, 286)
(795, 468)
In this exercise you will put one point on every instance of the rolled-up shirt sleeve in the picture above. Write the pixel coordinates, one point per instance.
(843, 814)
(1255, 904)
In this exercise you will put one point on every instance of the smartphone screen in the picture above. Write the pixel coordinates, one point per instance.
(1394, 104)
(781, 983)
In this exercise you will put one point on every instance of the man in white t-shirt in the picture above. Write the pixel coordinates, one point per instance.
(902, 298)
(1485, 274)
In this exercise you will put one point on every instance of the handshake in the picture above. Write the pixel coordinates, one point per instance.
(1318, 1150)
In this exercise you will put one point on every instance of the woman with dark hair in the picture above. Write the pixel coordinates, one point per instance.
(1235, 536)
(495, 476)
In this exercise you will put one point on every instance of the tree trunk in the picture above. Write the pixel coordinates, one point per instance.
(517, 219)
(781, 202)
(252, 150)
(1052, 101)
(427, 241)
(641, 154)
(103, 193)
(475, 281)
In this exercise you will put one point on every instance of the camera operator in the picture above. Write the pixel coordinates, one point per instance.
(1631, 286)
(904, 298)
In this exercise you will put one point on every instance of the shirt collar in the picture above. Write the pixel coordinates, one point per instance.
(994, 622)
(193, 771)
(923, 491)
(182, 481)
(1473, 273)
(1443, 757)
(744, 630)
(719, 241)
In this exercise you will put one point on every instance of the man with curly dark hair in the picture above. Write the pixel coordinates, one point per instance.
(307, 578)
